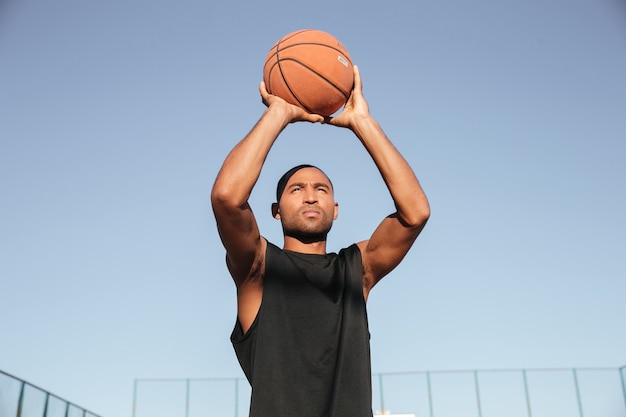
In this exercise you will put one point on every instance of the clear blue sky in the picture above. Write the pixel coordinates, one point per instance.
(115, 117)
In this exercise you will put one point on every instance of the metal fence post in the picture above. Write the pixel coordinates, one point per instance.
(580, 404)
(45, 406)
(621, 375)
(135, 397)
(187, 398)
(526, 392)
(430, 394)
(480, 412)
(382, 395)
(20, 401)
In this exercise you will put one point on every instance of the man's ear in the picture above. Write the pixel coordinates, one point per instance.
(275, 211)
(336, 212)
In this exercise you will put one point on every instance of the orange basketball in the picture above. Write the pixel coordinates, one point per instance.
(311, 69)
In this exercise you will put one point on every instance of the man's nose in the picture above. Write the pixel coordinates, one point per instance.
(310, 196)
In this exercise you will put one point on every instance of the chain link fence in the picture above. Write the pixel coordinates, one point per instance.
(562, 392)
(19, 398)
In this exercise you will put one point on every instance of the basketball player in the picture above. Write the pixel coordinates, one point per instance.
(301, 334)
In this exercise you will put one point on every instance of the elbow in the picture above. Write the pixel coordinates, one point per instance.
(421, 219)
(218, 195)
(222, 196)
(228, 198)
(417, 217)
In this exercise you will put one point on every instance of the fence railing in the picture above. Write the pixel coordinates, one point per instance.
(548, 392)
(19, 398)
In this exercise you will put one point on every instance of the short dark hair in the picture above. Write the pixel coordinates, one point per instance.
(282, 182)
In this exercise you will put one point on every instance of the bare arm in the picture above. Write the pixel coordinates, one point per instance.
(236, 224)
(239, 173)
(395, 235)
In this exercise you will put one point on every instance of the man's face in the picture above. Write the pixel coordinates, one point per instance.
(307, 206)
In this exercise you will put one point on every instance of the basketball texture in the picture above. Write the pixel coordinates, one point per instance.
(310, 69)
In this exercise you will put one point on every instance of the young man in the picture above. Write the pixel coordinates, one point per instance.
(301, 336)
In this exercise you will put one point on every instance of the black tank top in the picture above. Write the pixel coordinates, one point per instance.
(307, 353)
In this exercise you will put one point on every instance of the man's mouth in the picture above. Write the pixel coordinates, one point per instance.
(310, 213)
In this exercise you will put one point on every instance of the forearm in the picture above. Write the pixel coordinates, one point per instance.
(243, 165)
(409, 198)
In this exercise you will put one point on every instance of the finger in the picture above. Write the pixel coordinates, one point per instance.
(334, 121)
(358, 85)
(263, 90)
(264, 93)
(315, 118)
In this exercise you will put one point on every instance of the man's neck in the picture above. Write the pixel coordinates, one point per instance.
(317, 247)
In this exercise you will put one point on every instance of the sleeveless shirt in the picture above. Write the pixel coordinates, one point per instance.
(307, 353)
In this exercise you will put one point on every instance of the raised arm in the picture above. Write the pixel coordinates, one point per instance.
(395, 235)
(232, 188)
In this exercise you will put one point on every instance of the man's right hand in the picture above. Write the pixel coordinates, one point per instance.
(292, 112)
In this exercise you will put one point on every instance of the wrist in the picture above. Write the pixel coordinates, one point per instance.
(278, 114)
(362, 124)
